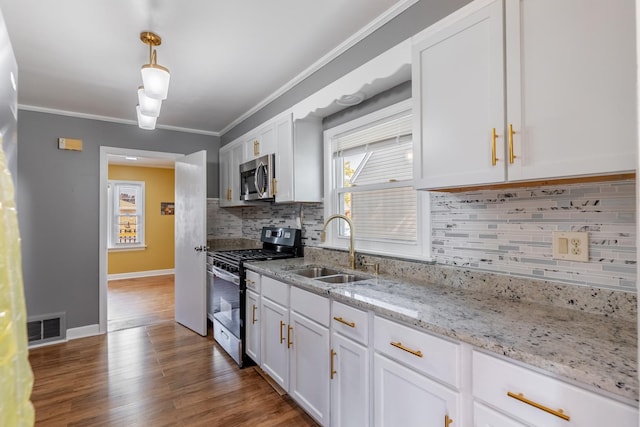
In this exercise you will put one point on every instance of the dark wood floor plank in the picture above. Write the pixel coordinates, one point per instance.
(159, 374)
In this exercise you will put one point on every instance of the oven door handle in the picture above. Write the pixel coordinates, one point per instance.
(225, 275)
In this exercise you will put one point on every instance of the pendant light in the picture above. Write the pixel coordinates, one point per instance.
(144, 121)
(155, 78)
(148, 106)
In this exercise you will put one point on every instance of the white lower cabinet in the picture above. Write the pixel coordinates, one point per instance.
(350, 367)
(539, 400)
(409, 394)
(346, 371)
(403, 397)
(253, 325)
(309, 381)
(275, 354)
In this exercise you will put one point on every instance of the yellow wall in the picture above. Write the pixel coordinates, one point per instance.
(159, 234)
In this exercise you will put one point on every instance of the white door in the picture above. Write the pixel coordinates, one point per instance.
(191, 241)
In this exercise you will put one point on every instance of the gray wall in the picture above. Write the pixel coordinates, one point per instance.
(410, 22)
(58, 205)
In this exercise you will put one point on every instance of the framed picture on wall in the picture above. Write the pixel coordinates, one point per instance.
(167, 208)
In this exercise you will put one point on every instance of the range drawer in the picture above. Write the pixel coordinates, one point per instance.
(252, 281)
(310, 305)
(530, 396)
(275, 290)
(350, 322)
(423, 352)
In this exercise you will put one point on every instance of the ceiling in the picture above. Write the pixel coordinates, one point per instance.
(225, 57)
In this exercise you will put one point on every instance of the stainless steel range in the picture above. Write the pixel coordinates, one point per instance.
(226, 294)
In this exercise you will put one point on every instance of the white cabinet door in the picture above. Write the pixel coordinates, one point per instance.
(284, 160)
(298, 160)
(274, 353)
(230, 160)
(571, 87)
(261, 143)
(402, 397)
(309, 381)
(458, 95)
(485, 417)
(252, 325)
(349, 383)
(225, 176)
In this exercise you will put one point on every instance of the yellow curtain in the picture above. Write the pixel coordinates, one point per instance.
(16, 378)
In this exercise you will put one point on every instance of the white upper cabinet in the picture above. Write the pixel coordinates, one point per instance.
(298, 159)
(548, 94)
(230, 159)
(571, 87)
(458, 95)
(260, 143)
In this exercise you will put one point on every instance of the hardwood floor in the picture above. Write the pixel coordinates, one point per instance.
(139, 302)
(161, 374)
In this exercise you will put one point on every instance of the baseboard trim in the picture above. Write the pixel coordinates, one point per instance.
(73, 334)
(137, 274)
(83, 332)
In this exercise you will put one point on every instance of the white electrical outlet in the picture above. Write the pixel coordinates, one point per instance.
(571, 245)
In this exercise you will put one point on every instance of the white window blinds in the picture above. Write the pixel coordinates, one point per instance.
(374, 171)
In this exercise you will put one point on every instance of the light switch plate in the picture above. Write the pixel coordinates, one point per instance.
(571, 245)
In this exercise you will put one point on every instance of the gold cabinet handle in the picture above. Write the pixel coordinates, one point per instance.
(253, 314)
(274, 185)
(289, 342)
(341, 320)
(256, 148)
(512, 155)
(281, 333)
(333, 371)
(558, 413)
(447, 421)
(408, 350)
(494, 136)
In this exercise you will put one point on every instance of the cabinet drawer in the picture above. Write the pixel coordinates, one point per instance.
(252, 281)
(310, 305)
(494, 378)
(424, 352)
(275, 290)
(350, 322)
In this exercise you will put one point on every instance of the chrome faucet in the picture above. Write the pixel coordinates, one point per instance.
(352, 251)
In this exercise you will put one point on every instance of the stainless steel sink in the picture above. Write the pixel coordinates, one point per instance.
(341, 278)
(315, 272)
(327, 275)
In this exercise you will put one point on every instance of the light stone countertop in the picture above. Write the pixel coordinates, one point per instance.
(592, 349)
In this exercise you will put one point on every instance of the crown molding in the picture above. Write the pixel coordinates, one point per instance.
(110, 119)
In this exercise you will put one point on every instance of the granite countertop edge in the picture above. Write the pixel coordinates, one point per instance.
(587, 349)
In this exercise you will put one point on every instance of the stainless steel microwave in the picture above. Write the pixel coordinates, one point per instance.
(257, 178)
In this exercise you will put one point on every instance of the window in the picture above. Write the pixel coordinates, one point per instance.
(126, 214)
(369, 170)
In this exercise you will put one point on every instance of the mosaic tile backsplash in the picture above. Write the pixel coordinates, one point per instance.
(509, 231)
(497, 231)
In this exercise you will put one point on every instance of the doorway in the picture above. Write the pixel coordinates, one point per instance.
(137, 293)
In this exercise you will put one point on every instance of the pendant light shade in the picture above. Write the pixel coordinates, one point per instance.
(145, 122)
(155, 84)
(155, 79)
(148, 106)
